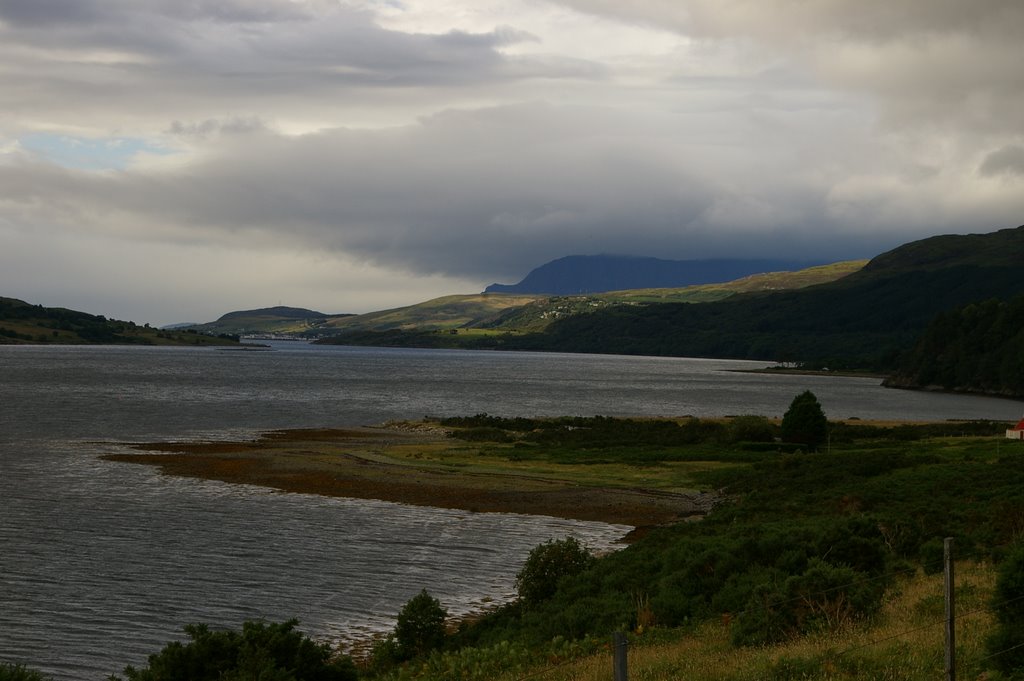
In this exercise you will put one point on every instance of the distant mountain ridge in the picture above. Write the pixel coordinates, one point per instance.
(864, 320)
(279, 311)
(580, 274)
(277, 320)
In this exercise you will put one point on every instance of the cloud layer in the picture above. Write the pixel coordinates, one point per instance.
(360, 156)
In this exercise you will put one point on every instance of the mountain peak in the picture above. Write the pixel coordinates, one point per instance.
(578, 274)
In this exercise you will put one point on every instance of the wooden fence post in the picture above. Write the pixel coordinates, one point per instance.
(950, 610)
(619, 646)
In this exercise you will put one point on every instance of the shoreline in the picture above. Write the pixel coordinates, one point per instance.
(393, 463)
(786, 371)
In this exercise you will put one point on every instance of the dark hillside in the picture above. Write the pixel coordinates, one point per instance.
(280, 311)
(975, 348)
(864, 320)
(22, 323)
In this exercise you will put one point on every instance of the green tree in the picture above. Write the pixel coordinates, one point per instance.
(420, 626)
(264, 652)
(547, 564)
(804, 422)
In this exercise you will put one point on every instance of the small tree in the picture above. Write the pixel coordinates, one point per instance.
(420, 627)
(804, 422)
(547, 564)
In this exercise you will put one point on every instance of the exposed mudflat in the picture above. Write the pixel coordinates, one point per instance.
(382, 463)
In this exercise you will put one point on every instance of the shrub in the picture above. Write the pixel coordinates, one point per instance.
(547, 564)
(269, 652)
(825, 596)
(1006, 644)
(751, 429)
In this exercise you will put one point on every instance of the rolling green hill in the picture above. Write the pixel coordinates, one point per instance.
(487, 314)
(448, 312)
(864, 320)
(22, 323)
(268, 320)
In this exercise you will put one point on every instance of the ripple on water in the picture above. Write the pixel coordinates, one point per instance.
(155, 552)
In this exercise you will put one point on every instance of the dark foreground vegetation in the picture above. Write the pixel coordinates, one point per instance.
(803, 542)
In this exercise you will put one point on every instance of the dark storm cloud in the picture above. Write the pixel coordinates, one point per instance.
(1006, 161)
(434, 138)
(484, 194)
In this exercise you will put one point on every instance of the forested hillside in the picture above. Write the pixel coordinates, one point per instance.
(975, 348)
(865, 320)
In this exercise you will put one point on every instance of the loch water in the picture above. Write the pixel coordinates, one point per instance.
(102, 563)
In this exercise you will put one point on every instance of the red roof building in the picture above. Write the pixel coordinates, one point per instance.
(1017, 432)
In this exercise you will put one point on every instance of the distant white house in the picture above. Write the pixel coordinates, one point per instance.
(1017, 432)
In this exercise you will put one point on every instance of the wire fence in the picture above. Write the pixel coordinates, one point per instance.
(933, 624)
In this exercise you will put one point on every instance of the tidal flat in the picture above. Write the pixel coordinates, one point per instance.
(418, 463)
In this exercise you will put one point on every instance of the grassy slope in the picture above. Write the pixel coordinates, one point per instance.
(770, 281)
(261, 324)
(903, 488)
(22, 323)
(496, 313)
(903, 643)
(448, 312)
(863, 320)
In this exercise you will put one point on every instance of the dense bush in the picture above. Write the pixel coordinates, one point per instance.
(547, 565)
(268, 652)
(751, 429)
(824, 596)
(1006, 645)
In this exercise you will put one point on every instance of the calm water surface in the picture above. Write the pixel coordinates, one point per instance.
(102, 563)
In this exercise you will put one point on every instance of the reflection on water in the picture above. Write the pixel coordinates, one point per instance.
(102, 563)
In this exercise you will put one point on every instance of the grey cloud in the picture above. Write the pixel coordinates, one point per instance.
(165, 60)
(1006, 161)
(946, 62)
(36, 13)
(484, 194)
(31, 13)
(211, 127)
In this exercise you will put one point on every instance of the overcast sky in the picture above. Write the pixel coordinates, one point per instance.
(173, 160)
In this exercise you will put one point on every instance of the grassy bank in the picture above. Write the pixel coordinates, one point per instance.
(903, 642)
